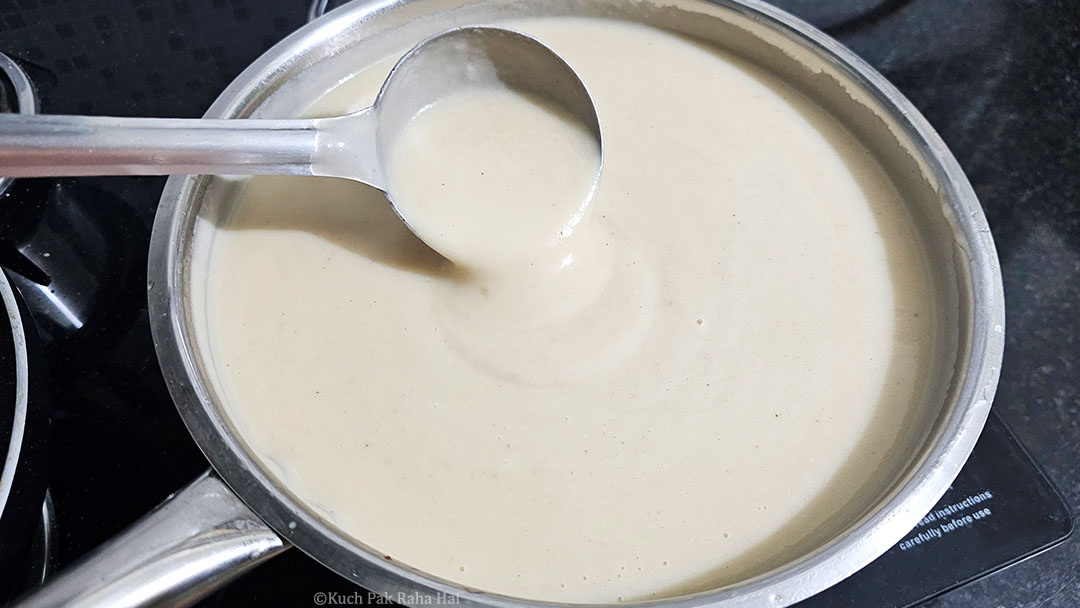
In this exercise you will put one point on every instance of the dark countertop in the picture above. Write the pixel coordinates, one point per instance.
(1000, 80)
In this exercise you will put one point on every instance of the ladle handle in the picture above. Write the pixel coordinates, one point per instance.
(57, 146)
(190, 545)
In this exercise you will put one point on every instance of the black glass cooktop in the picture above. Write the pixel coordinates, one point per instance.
(77, 250)
(1000, 510)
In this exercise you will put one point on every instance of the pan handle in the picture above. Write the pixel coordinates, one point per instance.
(193, 543)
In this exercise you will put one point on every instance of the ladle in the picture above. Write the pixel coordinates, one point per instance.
(354, 146)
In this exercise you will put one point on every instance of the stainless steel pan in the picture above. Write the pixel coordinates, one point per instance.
(238, 514)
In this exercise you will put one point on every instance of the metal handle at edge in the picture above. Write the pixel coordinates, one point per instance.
(56, 146)
(190, 545)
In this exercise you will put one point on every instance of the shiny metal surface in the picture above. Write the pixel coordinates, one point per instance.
(58, 146)
(355, 146)
(195, 541)
(20, 360)
(316, 10)
(26, 100)
(955, 230)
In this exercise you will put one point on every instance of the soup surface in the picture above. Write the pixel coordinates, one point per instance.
(494, 179)
(721, 371)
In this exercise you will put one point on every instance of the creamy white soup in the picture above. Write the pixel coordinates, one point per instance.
(494, 179)
(722, 360)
